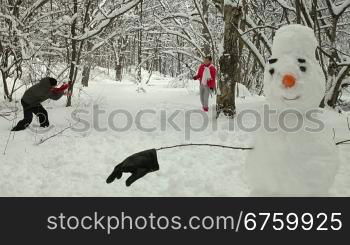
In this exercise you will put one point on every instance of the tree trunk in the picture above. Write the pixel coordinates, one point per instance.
(332, 102)
(6, 90)
(118, 72)
(229, 63)
(86, 75)
(117, 62)
(298, 11)
(87, 67)
(74, 55)
(333, 95)
(139, 57)
(205, 31)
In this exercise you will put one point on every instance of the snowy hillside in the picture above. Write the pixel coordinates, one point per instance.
(78, 163)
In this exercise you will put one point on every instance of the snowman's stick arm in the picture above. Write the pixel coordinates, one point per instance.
(146, 162)
(343, 142)
(210, 145)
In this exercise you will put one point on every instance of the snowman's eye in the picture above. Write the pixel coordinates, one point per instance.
(272, 61)
(303, 68)
(302, 61)
(272, 71)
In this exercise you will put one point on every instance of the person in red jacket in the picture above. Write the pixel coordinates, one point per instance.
(206, 75)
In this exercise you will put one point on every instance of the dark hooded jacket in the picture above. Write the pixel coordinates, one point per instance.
(40, 92)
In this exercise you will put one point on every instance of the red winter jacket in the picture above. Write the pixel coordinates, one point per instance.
(211, 82)
(61, 89)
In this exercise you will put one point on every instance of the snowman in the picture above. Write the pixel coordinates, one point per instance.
(302, 161)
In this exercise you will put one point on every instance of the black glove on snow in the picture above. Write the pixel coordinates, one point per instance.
(138, 165)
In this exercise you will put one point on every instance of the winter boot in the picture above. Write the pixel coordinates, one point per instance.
(22, 125)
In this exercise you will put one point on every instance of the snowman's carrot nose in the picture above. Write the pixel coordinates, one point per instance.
(289, 80)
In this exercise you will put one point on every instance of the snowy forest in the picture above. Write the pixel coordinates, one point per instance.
(66, 39)
(142, 54)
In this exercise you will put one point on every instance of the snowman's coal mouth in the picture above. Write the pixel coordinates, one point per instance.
(289, 99)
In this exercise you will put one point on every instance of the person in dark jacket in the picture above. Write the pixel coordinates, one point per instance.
(32, 99)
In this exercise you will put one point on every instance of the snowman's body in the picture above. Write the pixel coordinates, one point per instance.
(303, 162)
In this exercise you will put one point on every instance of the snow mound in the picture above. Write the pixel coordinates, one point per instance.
(242, 91)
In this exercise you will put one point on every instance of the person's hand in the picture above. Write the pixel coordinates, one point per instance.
(195, 78)
(138, 165)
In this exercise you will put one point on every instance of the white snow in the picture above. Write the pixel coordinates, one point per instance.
(77, 164)
(242, 91)
(285, 5)
(339, 9)
(295, 40)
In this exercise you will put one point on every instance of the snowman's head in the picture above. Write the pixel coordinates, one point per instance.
(293, 76)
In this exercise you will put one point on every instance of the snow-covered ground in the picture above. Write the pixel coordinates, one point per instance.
(78, 163)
